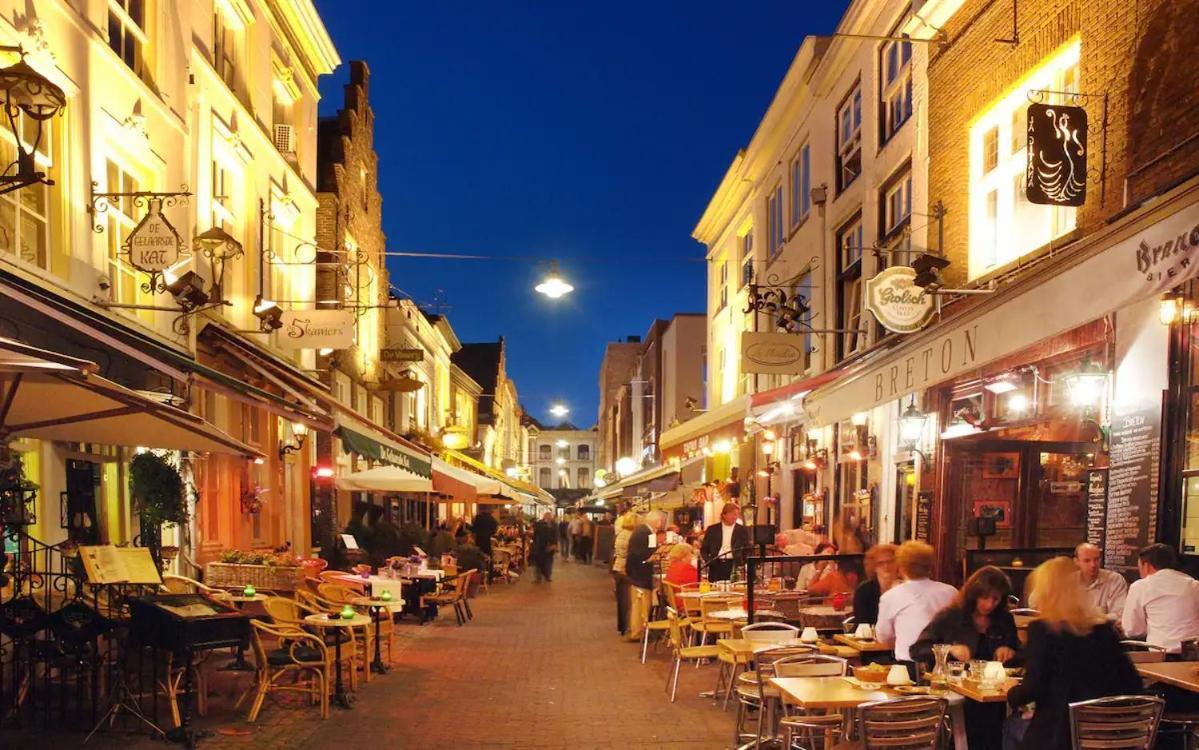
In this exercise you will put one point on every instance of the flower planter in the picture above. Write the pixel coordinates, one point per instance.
(262, 577)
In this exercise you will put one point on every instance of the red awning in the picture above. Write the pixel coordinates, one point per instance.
(798, 388)
(444, 484)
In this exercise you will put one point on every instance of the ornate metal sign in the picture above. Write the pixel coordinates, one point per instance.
(317, 329)
(772, 353)
(1056, 171)
(154, 245)
(896, 302)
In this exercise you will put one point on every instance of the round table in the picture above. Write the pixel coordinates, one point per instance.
(824, 616)
(340, 697)
(377, 606)
(240, 600)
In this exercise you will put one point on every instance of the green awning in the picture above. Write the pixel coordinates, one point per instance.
(385, 451)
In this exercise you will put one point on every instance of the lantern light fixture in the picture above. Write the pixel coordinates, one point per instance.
(911, 425)
(454, 437)
(28, 96)
(269, 314)
(299, 431)
(1087, 384)
(554, 286)
(625, 466)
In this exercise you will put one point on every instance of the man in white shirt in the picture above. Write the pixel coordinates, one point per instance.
(907, 608)
(1107, 589)
(1164, 605)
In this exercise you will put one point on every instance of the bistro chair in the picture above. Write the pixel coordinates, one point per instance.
(173, 584)
(289, 614)
(820, 730)
(902, 723)
(660, 626)
(296, 653)
(1128, 722)
(453, 593)
(714, 626)
(760, 696)
(759, 633)
(682, 653)
(1142, 652)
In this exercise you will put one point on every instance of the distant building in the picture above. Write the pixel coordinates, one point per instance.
(615, 419)
(562, 457)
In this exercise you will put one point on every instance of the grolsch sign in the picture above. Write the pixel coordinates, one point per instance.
(896, 302)
(317, 329)
(154, 245)
(1056, 170)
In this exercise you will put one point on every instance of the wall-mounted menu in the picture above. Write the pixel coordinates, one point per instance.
(1132, 482)
(1096, 484)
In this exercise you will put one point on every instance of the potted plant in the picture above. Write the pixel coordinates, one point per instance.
(158, 496)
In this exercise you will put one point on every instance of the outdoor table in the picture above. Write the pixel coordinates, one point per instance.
(374, 584)
(870, 646)
(340, 697)
(736, 613)
(1180, 674)
(844, 694)
(377, 606)
(970, 689)
(239, 664)
(824, 616)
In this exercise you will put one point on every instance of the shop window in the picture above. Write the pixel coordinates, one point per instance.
(747, 258)
(774, 220)
(853, 515)
(849, 289)
(849, 138)
(1004, 227)
(127, 32)
(896, 93)
(801, 185)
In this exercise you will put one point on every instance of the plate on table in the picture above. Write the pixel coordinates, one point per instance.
(912, 689)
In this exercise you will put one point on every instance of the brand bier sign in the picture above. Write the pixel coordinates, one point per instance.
(317, 329)
(896, 302)
(153, 245)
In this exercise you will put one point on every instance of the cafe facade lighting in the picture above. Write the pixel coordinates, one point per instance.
(911, 425)
(454, 437)
(625, 466)
(299, 431)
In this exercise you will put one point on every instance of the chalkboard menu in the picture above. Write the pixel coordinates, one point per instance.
(922, 529)
(1132, 483)
(1096, 488)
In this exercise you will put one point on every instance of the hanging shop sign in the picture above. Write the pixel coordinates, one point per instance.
(1056, 171)
(772, 353)
(154, 245)
(317, 329)
(401, 355)
(896, 302)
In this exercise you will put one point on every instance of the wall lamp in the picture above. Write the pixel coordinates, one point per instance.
(1174, 307)
(269, 314)
(911, 429)
(300, 431)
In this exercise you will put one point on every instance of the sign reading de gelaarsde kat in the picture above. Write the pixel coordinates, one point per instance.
(317, 329)
(154, 245)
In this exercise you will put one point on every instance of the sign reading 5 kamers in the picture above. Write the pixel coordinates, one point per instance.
(896, 302)
(1056, 172)
(317, 329)
(154, 245)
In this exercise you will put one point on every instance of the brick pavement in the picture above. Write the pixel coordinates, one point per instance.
(540, 667)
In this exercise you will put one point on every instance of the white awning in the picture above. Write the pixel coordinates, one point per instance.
(384, 479)
(691, 437)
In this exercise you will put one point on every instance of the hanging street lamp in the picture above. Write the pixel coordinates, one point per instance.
(554, 286)
(26, 94)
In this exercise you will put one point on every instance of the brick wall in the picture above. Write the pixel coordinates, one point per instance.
(349, 201)
(1136, 52)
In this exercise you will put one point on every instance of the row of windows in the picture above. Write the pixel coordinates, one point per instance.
(545, 479)
(545, 452)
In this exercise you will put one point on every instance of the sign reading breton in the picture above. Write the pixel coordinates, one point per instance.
(1145, 263)
(154, 245)
(896, 302)
(317, 329)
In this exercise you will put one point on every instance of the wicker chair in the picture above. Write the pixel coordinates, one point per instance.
(1127, 722)
(453, 593)
(296, 653)
(289, 613)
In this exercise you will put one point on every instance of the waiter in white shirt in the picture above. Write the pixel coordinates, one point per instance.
(1163, 606)
(907, 608)
(724, 544)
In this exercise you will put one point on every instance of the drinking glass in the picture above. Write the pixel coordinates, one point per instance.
(957, 670)
(977, 668)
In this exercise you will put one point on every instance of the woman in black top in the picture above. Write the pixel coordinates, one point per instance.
(1073, 654)
(977, 626)
(881, 574)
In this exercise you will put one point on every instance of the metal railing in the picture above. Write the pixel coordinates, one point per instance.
(786, 566)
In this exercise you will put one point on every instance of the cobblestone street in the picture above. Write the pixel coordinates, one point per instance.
(540, 666)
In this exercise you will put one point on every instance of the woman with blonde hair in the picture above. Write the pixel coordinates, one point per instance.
(626, 524)
(1073, 654)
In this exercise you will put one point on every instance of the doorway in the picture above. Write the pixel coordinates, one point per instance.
(79, 512)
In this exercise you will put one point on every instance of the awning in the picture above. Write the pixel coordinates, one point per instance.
(368, 441)
(725, 422)
(786, 402)
(384, 479)
(1151, 251)
(656, 479)
(48, 396)
(462, 484)
(95, 325)
(510, 487)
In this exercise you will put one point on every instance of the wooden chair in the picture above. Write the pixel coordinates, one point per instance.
(661, 625)
(335, 592)
(683, 653)
(174, 584)
(359, 653)
(902, 723)
(297, 653)
(1128, 722)
(452, 592)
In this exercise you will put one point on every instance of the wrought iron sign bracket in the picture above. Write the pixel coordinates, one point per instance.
(98, 203)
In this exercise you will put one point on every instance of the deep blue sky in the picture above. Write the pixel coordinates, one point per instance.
(593, 132)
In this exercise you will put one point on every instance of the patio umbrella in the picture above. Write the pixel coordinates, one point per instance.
(384, 479)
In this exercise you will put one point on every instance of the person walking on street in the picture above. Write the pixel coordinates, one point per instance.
(642, 544)
(564, 538)
(543, 548)
(586, 537)
(576, 528)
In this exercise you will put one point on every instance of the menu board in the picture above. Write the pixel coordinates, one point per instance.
(1096, 483)
(922, 528)
(1132, 483)
(111, 564)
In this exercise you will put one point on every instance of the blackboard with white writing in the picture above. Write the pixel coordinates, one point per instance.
(1132, 483)
(1096, 507)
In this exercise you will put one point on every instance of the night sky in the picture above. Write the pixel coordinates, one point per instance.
(592, 132)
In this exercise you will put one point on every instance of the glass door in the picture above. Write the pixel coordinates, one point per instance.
(1059, 508)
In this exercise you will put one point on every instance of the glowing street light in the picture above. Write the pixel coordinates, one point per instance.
(559, 410)
(625, 466)
(554, 286)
